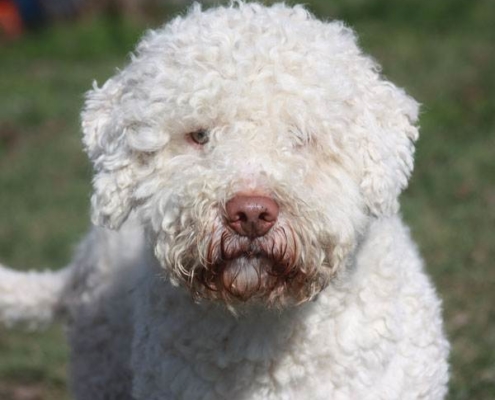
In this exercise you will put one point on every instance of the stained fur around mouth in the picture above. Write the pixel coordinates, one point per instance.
(239, 268)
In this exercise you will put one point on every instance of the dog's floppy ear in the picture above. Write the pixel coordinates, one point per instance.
(387, 120)
(105, 145)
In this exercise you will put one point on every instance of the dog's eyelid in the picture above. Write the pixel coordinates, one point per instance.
(199, 136)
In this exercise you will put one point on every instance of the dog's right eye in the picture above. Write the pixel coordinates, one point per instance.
(200, 136)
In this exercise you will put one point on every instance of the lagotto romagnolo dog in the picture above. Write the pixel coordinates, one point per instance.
(248, 162)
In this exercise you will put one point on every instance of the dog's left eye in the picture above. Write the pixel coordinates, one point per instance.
(200, 136)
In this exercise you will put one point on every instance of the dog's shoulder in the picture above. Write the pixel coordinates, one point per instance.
(105, 261)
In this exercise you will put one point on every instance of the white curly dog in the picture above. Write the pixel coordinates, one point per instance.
(249, 160)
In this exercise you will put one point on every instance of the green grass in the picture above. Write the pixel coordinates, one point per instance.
(440, 51)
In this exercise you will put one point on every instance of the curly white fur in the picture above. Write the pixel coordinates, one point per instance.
(333, 305)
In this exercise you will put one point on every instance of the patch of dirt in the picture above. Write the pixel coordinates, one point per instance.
(21, 392)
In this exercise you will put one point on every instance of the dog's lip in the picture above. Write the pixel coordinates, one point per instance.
(250, 257)
(250, 250)
(249, 253)
(258, 261)
(257, 255)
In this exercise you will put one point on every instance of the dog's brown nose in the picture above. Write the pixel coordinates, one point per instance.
(251, 216)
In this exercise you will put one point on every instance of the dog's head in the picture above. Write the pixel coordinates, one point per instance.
(255, 144)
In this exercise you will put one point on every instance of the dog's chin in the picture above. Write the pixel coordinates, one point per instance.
(271, 270)
(258, 279)
(246, 277)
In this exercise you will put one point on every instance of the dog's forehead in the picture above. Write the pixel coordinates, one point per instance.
(249, 30)
(252, 45)
(245, 63)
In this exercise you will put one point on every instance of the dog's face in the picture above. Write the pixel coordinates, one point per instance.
(255, 144)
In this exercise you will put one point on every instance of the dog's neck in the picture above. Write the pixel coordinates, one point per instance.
(253, 328)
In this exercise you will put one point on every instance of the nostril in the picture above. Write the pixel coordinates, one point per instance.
(264, 216)
(241, 217)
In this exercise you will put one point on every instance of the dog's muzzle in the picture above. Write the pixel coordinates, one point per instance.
(254, 255)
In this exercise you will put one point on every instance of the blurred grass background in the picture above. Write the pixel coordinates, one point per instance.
(441, 51)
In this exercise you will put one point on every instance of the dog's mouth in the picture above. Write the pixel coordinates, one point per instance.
(286, 266)
(239, 268)
(247, 275)
(244, 276)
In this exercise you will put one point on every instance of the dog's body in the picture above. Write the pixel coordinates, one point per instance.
(257, 157)
(350, 342)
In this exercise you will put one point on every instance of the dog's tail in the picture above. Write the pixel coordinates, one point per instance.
(31, 298)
